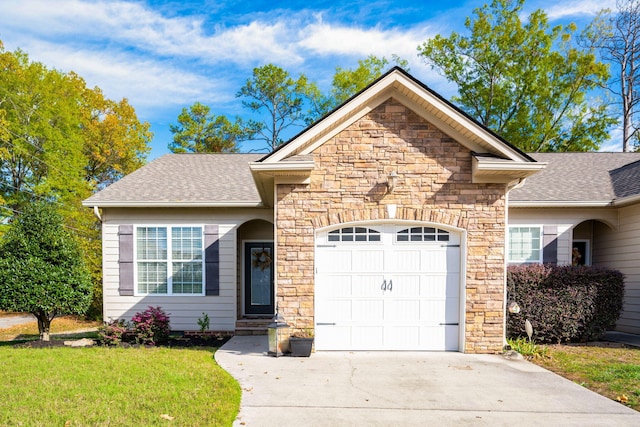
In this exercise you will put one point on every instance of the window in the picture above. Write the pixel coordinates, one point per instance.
(354, 234)
(169, 260)
(422, 234)
(525, 244)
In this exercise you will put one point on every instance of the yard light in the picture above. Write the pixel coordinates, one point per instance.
(275, 348)
(392, 181)
(528, 328)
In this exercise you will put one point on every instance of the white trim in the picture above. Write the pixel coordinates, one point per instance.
(587, 255)
(461, 232)
(175, 204)
(558, 204)
(169, 260)
(508, 244)
(425, 103)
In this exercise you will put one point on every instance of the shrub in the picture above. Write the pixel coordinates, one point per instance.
(528, 349)
(113, 332)
(151, 326)
(564, 304)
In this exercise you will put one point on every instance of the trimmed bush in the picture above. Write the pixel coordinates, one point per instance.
(151, 326)
(563, 304)
(113, 332)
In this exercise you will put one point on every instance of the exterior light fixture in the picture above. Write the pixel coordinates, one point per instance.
(392, 181)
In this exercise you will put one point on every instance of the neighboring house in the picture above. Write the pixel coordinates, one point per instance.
(382, 227)
(583, 208)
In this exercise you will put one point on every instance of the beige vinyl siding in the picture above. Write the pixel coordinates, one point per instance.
(184, 311)
(565, 219)
(620, 249)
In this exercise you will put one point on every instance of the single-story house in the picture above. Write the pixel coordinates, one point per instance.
(387, 225)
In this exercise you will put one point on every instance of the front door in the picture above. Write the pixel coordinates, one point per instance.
(258, 278)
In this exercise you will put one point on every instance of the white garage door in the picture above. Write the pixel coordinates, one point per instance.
(387, 287)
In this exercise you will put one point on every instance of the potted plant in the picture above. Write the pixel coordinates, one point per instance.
(301, 342)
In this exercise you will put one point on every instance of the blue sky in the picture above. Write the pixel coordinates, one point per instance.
(166, 55)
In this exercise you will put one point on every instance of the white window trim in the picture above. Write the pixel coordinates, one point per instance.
(587, 255)
(508, 245)
(169, 260)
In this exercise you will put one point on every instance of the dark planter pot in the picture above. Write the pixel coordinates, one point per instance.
(300, 347)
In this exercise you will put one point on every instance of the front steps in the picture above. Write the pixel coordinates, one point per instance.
(253, 326)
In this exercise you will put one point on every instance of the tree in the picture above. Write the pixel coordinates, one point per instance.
(42, 269)
(59, 141)
(617, 38)
(523, 79)
(271, 89)
(199, 131)
(347, 82)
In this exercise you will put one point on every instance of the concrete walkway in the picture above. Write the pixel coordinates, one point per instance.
(18, 319)
(407, 388)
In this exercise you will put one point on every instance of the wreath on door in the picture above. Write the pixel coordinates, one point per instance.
(261, 259)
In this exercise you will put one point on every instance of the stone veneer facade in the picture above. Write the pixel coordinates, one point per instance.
(348, 184)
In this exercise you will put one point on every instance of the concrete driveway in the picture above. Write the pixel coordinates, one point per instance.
(407, 388)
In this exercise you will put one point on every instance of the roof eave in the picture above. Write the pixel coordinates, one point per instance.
(625, 201)
(559, 203)
(174, 204)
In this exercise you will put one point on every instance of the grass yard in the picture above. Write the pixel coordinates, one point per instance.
(115, 387)
(99, 386)
(608, 369)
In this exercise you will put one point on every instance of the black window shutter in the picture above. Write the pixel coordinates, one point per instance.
(550, 244)
(212, 260)
(125, 243)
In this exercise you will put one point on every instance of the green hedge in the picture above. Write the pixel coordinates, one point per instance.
(563, 304)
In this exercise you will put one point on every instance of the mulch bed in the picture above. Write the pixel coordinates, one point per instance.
(173, 342)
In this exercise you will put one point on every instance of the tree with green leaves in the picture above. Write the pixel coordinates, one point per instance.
(272, 90)
(59, 141)
(347, 82)
(199, 131)
(524, 79)
(42, 270)
(616, 37)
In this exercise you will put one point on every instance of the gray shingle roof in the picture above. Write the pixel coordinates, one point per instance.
(581, 177)
(185, 179)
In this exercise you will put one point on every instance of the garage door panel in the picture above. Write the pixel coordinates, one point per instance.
(439, 338)
(336, 286)
(332, 337)
(405, 337)
(442, 260)
(401, 310)
(367, 286)
(367, 310)
(407, 260)
(405, 286)
(368, 260)
(367, 337)
(336, 310)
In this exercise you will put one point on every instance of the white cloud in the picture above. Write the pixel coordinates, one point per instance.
(567, 9)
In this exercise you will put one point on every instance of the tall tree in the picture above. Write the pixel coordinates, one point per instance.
(523, 79)
(42, 270)
(59, 141)
(616, 37)
(347, 82)
(199, 131)
(273, 91)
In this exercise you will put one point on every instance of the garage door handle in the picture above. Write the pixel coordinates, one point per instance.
(387, 286)
(449, 324)
(390, 287)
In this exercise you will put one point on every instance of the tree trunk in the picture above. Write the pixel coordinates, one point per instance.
(44, 324)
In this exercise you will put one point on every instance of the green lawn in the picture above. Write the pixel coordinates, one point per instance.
(115, 387)
(608, 369)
